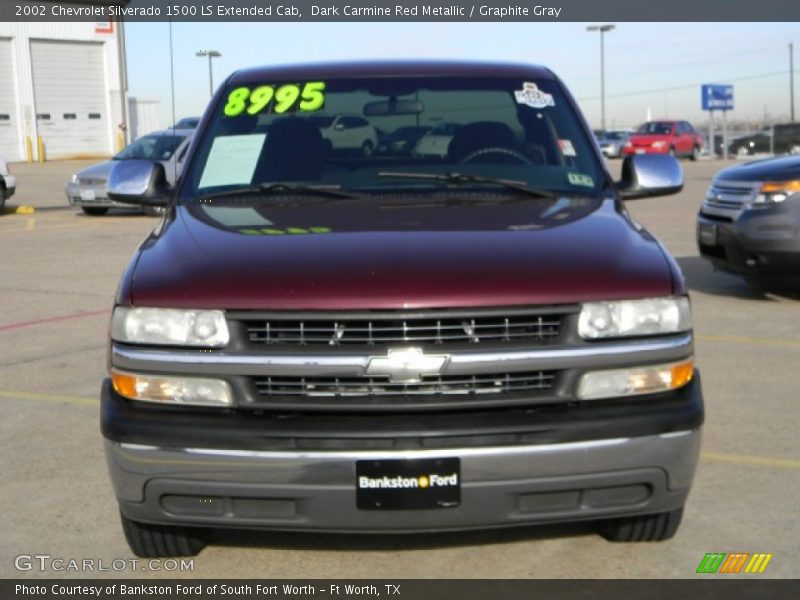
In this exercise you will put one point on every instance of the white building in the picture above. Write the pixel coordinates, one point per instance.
(65, 82)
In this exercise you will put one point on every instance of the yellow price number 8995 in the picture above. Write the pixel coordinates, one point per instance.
(279, 99)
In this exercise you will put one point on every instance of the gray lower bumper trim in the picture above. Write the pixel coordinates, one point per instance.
(316, 490)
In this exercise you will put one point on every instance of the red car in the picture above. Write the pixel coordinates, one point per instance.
(677, 138)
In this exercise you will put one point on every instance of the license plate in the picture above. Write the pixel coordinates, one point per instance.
(640, 151)
(707, 234)
(408, 484)
(87, 195)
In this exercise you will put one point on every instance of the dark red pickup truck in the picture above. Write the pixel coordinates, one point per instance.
(319, 337)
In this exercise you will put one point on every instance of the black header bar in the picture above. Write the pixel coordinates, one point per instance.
(401, 10)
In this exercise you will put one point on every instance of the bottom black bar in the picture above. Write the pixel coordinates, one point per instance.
(707, 587)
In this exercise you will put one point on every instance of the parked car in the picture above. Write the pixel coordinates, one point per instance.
(87, 188)
(677, 138)
(402, 140)
(347, 133)
(436, 142)
(188, 123)
(8, 183)
(787, 141)
(749, 223)
(329, 342)
(612, 142)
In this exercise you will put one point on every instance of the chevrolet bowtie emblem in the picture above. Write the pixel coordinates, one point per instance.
(408, 364)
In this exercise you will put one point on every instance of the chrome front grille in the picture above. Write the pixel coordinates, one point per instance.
(382, 330)
(729, 196)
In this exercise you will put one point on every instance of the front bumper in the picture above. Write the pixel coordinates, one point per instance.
(241, 481)
(90, 195)
(761, 244)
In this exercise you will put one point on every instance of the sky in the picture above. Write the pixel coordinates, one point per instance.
(639, 57)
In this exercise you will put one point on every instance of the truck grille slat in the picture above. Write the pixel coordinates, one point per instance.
(539, 328)
(333, 387)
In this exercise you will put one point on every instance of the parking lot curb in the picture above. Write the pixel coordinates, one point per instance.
(19, 210)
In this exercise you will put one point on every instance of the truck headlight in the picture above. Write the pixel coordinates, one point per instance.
(168, 389)
(169, 327)
(625, 318)
(635, 381)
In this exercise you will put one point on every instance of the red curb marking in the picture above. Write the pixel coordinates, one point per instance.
(21, 324)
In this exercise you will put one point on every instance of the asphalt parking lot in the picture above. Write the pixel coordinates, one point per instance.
(58, 276)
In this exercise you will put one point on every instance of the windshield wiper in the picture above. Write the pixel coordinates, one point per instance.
(278, 188)
(458, 179)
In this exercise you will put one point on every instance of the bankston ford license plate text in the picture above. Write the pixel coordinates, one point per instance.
(408, 484)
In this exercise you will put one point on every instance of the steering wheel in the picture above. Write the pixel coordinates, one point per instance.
(496, 150)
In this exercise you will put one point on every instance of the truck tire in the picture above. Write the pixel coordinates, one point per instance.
(161, 541)
(642, 528)
(94, 211)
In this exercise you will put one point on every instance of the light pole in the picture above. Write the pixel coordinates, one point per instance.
(791, 82)
(211, 54)
(602, 29)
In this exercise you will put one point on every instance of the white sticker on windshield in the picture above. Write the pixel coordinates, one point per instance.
(533, 96)
(232, 160)
(567, 149)
(580, 179)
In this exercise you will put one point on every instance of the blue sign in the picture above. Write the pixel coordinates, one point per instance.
(717, 96)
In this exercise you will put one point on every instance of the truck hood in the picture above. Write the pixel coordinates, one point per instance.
(398, 256)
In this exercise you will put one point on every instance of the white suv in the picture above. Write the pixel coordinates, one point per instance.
(347, 132)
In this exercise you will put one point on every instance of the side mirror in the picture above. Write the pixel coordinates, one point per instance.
(647, 175)
(142, 182)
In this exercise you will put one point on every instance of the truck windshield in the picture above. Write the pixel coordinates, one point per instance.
(354, 134)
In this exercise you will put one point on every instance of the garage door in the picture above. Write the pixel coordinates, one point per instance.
(70, 98)
(9, 129)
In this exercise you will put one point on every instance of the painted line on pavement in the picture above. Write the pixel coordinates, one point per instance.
(743, 339)
(21, 324)
(758, 461)
(18, 395)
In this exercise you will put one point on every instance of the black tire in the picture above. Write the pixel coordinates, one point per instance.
(162, 541)
(94, 211)
(367, 149)
(643, 528)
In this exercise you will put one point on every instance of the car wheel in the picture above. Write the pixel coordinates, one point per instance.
(367, 149)
(672, 152)
(161, 541)
(153, 211)
(695, 153)
(642, 528)
(94, 211)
